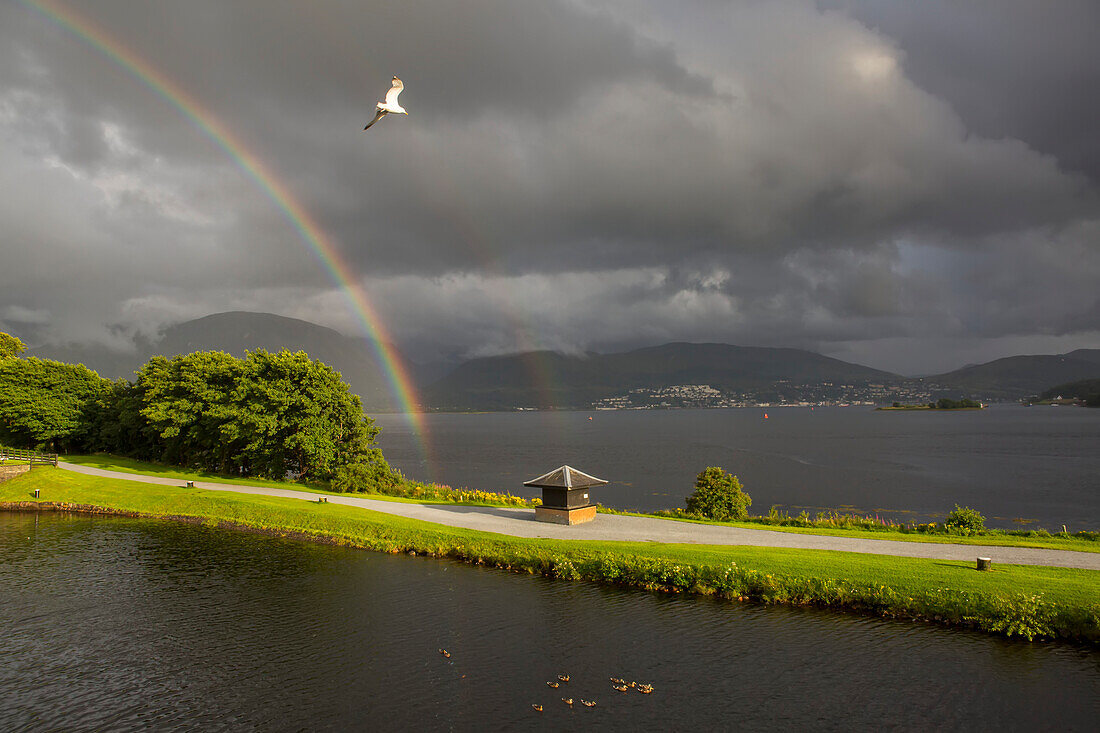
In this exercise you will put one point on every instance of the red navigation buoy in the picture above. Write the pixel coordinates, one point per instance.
(765, 416)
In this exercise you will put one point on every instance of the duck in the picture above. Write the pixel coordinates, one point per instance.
(537, 708)
(551, 683)
(445, 653)
(618, 681)
(620, 688)
(588, 703)
(568, 701)
(645, 689)
(563, 677)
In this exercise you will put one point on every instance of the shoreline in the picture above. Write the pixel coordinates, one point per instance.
(990, 539)
(1056, 603)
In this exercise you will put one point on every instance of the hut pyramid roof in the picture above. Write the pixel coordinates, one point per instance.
(565, 477)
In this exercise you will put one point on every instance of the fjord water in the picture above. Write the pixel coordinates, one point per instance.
(119, 624)
(1020, 466)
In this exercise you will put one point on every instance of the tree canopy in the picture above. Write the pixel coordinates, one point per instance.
(46, 403)
(10, 346)
(265, 415)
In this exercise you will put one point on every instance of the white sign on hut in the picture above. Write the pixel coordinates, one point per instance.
(565, 496)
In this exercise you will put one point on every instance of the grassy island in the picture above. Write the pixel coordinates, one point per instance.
(941, 404)
(1012, 600)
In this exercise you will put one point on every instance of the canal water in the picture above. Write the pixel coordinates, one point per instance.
(1022, 467)
(119, 624)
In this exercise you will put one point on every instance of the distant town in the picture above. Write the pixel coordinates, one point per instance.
(782, 393)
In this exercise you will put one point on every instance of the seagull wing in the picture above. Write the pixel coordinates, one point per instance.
(381, 113)
(391, 95)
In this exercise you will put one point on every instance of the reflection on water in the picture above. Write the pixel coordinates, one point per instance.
(121, 624)
(1009, 462)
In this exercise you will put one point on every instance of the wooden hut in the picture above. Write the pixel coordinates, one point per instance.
(565, 496)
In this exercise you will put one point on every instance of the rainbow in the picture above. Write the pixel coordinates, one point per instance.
(325, 251)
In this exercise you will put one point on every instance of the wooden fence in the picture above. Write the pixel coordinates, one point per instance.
(27, 456)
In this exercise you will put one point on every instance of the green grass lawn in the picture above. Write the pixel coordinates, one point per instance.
(128, 465)
(995, 540)
(1022, 600)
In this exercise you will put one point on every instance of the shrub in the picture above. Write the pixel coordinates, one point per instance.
(963, 517)
(373, 476)
(718, 495)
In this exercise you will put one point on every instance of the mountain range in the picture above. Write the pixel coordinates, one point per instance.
(549, 379)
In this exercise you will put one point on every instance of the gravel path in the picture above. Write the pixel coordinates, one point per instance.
(521, 523)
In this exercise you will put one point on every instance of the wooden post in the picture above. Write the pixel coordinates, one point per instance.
(984, 563)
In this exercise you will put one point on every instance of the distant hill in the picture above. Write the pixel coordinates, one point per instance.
(237, 332)
(1092, 355)
(549, 379)
(1015, 377)
(1087, 390)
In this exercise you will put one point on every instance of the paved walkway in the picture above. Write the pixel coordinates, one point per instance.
(521, 523)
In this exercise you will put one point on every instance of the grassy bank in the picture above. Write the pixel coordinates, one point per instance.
(408, 491)
(1033, 602)
(422, 493)
(1086, 542)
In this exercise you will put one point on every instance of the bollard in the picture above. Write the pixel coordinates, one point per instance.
(37, 493)
(190, 484)
(984, 563)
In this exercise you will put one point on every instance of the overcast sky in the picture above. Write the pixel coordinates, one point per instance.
(908, 185)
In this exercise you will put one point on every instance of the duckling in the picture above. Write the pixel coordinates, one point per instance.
(588, 703)
(568, 701)
(536, 708)
(632, 684)
(563, 677)
(445, 653)
(552, 684)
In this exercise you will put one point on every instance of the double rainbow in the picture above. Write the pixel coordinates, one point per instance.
(325, 251)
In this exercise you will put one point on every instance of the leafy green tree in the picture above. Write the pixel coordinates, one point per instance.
(46, 403)
(116, 425)
(298, 415)
(189, 407)
(266, 414)
(10, 346)
(948, 404)
(718, 495)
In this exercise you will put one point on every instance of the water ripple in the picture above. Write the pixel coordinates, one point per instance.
(123, 624)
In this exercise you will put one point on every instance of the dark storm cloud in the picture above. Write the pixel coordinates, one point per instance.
(1013, 68)
(829, 175)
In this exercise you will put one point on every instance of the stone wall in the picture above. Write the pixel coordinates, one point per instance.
(7, 472)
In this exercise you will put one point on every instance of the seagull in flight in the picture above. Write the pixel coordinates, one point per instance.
(390, 106)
